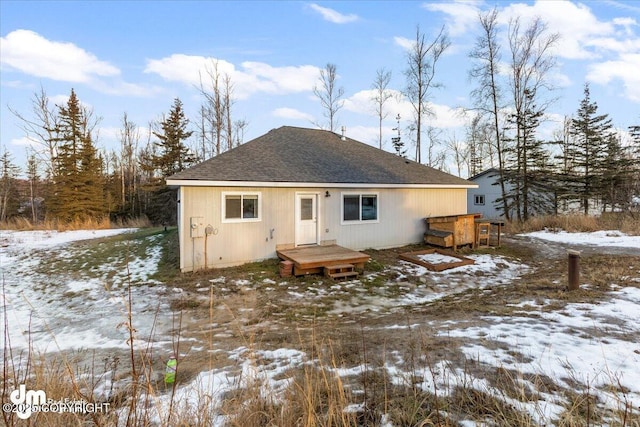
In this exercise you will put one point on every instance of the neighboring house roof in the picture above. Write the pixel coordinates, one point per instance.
(483, 173)
(291, 155)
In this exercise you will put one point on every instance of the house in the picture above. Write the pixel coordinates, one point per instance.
(295, 186)
(484, 198)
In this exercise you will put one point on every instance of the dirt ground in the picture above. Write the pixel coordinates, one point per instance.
(389, 310)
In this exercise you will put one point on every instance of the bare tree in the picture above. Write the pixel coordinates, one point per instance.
(228, 102)
(329, 94)
(215, 113)
(487, 95)
(460, 153)
(421, 71)
(129, 140)
(240, 126)
(435, 159)
(380, 97)
(530, 63)
(40, 129)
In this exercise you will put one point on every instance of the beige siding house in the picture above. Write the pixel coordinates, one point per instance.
(296, 186)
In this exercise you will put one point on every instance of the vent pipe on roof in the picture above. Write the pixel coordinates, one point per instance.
(344, 129)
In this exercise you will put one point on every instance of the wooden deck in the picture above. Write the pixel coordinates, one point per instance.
(313, 259)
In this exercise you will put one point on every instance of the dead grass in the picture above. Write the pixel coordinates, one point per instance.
(24, 224)
(627, 222)
(316, 395)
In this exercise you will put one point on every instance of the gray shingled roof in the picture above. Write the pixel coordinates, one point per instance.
(299, 155)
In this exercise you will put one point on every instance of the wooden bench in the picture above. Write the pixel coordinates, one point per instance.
(340, 271)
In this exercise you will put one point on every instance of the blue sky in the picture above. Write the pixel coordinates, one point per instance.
(136, 57)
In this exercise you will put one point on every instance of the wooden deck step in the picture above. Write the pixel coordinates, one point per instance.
(340, 271)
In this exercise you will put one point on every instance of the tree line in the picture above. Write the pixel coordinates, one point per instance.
(585, 162)
(68, 180)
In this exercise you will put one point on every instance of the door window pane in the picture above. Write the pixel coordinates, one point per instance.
(306, 209)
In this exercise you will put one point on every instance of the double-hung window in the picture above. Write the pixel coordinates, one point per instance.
(359, 208)
(241, 207)
(478, 199)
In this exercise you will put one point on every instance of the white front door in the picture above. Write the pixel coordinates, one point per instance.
(306, 219)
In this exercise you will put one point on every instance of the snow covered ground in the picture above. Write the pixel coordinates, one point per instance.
(597, 238)
(592, 347)
(59, 309)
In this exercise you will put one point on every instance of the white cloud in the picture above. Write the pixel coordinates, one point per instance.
(560, 80)
(443, 115)
(575, 23)
(186, 69)
(626, 23)
(367, 134)
(109, 133)
(625, 68)
(292, 114)
(23, 142)
(59, 100)
(29, 52)
(360, 102)
(332, 15)
(404, 42)
(615, 45)
(462, 15)
(446, 117)
(251, 78)
(284, 79)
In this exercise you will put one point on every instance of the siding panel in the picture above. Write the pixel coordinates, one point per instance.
(400, 212)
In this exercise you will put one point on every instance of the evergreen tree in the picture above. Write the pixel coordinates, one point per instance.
(591, 133)
(617, 175)
(34, 179)
(174, 156)
(77, 179)
(9, 194)
(528, 169)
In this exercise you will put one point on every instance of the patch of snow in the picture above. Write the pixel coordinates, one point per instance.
(436, 258)
(50, 238)
(596, 238)
(67, 310)
(568, 345)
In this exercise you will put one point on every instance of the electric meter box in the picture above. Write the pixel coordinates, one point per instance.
(197, 226)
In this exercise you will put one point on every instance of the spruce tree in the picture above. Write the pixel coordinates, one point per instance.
(77, 179)
(174, 156)
(617, 175)
(528, 167)
(591, 133)
(9, 195)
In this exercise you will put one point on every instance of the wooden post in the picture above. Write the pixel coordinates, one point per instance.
(574, 269)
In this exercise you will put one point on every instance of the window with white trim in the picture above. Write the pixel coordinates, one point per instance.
(241, 206)
(478, 199)
(358, 207)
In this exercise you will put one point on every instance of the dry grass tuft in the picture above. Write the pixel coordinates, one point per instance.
(627, 222)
